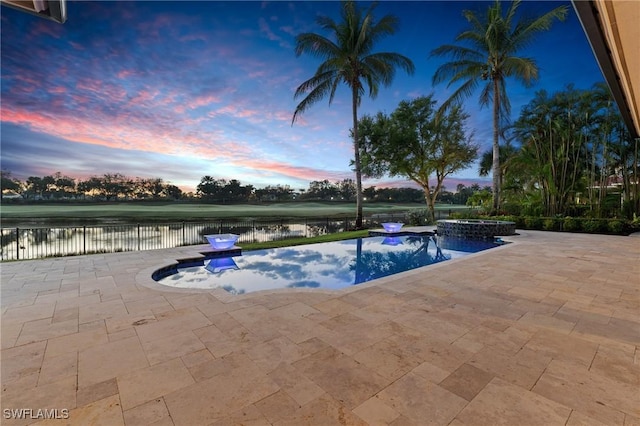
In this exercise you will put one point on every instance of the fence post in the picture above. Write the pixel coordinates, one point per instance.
(17, 243)
(84, 239)
(138, 237)
(184, 239)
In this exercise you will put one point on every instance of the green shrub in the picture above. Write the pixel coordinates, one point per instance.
(418, 217)
(571, 224)
(550, 224)
(533, 222)
(514, 209)
(593, 225)
(467, 214)
(615, 226)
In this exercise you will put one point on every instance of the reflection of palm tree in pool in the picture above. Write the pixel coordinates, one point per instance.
(372, 265)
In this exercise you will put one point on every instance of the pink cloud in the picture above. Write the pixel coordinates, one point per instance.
(45, 28)
(201, 101)
(297, 172)
(57, 90)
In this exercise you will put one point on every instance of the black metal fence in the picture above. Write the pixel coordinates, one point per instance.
(35, 243)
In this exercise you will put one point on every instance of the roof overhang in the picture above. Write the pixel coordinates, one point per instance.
(613, 30)
(55, 10)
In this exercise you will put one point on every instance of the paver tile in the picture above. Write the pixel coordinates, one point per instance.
(356, 382)
(277, 406)
(170, 347)
(148, 413)
(418, 399)
(176, 323)
(58, 367)
(502, 403)
(467, 381)
(76, 341)
(57, 395)
(143, 385)
(102, 362)
(212, 399)
(105, 412)
(21, 361)
(322, 411)
(298, 386)
(560, 346)
(590, 393)
(96, 391)
(43, 329)
(376, 412)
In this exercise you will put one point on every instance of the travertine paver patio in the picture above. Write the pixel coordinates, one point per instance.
(542, 331)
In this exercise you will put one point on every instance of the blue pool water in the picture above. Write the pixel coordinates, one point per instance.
(331, 265)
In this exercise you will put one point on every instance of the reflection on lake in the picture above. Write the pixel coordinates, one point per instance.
(332, 265)
(33, 243)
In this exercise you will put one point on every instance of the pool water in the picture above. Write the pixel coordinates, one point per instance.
(332, 265)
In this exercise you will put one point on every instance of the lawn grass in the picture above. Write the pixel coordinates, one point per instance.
(302, 240)
(145, 212)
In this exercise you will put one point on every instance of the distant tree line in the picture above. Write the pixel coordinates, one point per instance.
(117, 187)
(108, 187)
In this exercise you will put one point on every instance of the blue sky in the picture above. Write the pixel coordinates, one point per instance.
(180, 90)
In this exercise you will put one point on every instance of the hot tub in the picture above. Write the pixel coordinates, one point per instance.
(475, 229)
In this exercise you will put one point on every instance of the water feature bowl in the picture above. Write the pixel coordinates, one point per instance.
(222, 241)
(392, 226)
(392, 241)
(220, 264)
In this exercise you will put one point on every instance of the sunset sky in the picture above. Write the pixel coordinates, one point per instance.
(180, 90)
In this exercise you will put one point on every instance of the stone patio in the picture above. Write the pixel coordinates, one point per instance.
(541, 331)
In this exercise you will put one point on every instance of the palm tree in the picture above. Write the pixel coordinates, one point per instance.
(488, 54)
(349, 59)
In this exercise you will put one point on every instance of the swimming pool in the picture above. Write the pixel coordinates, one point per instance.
(332, 265)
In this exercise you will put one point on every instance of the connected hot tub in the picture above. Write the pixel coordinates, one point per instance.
(475, 229)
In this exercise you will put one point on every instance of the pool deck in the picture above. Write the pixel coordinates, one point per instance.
(541, 331)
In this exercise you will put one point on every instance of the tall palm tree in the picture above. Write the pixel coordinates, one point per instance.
(349, 59)
(487, 56)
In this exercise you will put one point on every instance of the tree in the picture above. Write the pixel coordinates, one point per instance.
(416, 142)
(347, 189)
(322, 190)
(9, 183)
(488, 54)
(349, 59)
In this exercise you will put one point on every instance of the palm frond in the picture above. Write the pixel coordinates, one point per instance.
(319, 87)
(523, 34)
(313, 82)
(486, 95)
(458, 70)
(386, 62)
(458, 52)
(461, 93)
(522, 69)
(315, 45)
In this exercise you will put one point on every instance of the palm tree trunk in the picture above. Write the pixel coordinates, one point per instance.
(496, 146)
(356, 150)
(358, 275)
